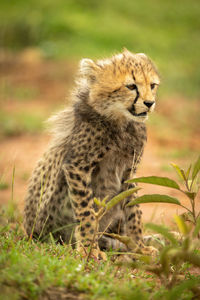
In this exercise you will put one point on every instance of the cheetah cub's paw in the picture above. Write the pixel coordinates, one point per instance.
(96, 253)
(149, 250)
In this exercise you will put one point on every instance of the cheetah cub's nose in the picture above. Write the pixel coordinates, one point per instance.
(149, 103)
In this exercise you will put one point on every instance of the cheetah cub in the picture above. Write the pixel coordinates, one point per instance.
(96, 146)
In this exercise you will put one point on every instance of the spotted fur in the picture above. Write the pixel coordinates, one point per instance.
(97, 144)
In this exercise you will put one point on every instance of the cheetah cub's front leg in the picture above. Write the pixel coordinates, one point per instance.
(78, 167)
(133, 220)
(134, 229)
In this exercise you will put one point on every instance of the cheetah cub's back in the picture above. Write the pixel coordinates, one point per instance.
(97, 144)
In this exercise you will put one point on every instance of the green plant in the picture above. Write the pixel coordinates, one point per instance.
(178, 250)
(190, 179)
(179, 253)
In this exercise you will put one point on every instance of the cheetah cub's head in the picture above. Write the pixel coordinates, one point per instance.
(123, 87)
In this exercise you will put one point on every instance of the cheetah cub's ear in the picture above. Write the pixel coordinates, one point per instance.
(142, 55)
(89, 69)
(126, 51)
(86, 65)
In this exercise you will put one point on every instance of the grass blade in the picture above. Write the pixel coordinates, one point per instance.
(154, 198)
(12, 189)
(163, 181)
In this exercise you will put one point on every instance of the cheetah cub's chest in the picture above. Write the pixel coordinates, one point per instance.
(107, 176)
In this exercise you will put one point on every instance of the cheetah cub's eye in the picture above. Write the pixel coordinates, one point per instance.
(132, 87)
(153, 86)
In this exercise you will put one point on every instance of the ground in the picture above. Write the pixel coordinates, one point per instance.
(32, 89)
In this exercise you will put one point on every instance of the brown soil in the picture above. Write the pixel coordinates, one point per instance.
(53, 81)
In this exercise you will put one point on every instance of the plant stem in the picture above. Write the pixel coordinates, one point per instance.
(13, 179)
(186, 208)
(193, 211)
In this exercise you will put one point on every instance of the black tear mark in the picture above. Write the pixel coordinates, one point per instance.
(137, 95)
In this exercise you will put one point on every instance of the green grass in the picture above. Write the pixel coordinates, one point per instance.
(168, 31)
(30, 270)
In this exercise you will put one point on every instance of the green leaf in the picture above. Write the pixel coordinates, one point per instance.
(154, 198)
(187, 174)
(194, 185)
(190, 195)
(196, 168)
(162, 230)
(115, 200)
(96, 201)
(52, 239)
(197, 228)
(163, 181)
(181, 225)
(179, 171)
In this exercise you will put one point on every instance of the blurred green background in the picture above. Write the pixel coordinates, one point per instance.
(168, 31)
